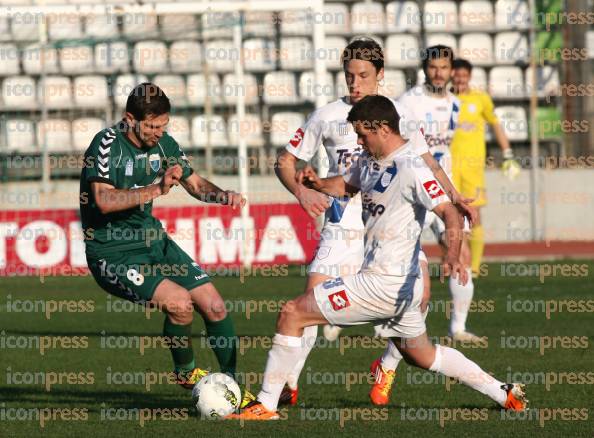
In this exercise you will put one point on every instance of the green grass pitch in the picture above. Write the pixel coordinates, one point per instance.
(91, 378)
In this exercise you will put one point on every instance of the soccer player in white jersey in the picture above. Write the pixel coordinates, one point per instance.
(340, 250)
(397, 188)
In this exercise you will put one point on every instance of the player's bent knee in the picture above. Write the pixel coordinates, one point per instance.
(180, 309)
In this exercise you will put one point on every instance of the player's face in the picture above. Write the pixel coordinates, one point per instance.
(439, 72)
(362, 79)
(369, 139)
(460, 80)
(150, 130)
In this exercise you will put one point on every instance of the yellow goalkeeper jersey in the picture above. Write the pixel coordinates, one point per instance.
(469, 137)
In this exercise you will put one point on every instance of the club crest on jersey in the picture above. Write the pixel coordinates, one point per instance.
(339, 300)
(155, 162)
(386, 178)
(433, 189)
(297, 138)
(343, 128)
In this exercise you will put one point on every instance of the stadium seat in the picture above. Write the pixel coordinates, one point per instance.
(478, 79)
(298, 53)
(250, 129)
(5, 29)
(367, 18)
(283, 126)
(280, 88)
(179, 26)
(25, 30)
(218, 24)
(20, 136)
(221, 55)
(179, 129)
(296, 22)
(512, 14)
(403, 16)
(259, 24)
(56, 133)
(91, 92)
(112, 58)
(336, 19)
(32, 56)
(102, 27)
(440, 16)
(447, 39)
(476, 48)
(394, 83)
(476, 15)
(19, 92)
(150, 57)
(174, 87)
(83, 131)
(139, 26)
(514, 122)
(232, 88)
(309, 89)
(215, 125)
(64, 26)
(547, 78)
(590, 43)
(123, 86)
(185, 56)
(56, 92)
(510, 47)
(76, 60)
(333, 48)
(259, 54)
(402, 51)
(198, 90)
(506, 82)
(9, 54)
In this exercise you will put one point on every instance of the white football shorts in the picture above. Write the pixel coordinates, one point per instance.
(339, 252)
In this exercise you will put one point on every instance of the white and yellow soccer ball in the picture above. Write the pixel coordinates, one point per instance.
(216, 395)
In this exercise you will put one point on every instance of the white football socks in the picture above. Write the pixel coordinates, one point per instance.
(391, 357)
(461, 299)
(308, 340)
(452, 363)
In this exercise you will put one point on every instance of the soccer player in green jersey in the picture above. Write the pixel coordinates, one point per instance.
(128, 252)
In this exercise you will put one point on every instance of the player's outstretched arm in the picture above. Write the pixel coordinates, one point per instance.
(205, 191)
(334, 186)
(110, 200)
(453, 236)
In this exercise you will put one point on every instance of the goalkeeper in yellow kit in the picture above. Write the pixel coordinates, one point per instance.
(469, 149)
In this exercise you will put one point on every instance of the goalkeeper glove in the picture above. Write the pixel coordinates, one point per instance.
(510, 167)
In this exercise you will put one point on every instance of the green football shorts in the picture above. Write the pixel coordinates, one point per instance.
(134, 275)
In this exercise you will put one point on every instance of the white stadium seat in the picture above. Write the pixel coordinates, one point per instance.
(56, 133)
(506, 82)
(476, 15)
(394, 83)
(259, 24)
(150, 57)
(64, 26)
(102, 26)
(440, 16)
(19, 92)
(198, 89)
(91, 91)
(112, 57)
(218, 24)
(510, 47)
(76, 60)
(215, 125)
(309, 89)
(297, 53)
(280, 88)
(590, 43)
(478, 79)
(32, 57)
(547, 78)
(174, 87)
(512, 14)
(283, 126)
(514, 122)
(403, 16)
(221, 55)
(9, 60)
(185, 56)
(232, 88)
(367, 17)
(476, 48)
(25, 30)
(296, 22)
(179, 26)
(139, 26)
(332, 52)
(56, 92)
(83, 131)
(402, 51)
(179, 129)
(5, 29)
(446, 39)
(123, 86)
(336, 19)
(20, 136)
(250, 129)
(259, 54)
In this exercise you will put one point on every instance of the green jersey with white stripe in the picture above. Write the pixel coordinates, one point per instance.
(113, 159)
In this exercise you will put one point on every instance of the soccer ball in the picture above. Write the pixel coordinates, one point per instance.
(216, 395)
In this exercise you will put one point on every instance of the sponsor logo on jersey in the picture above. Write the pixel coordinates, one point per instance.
(155, 162)
(371, 207)
(433, 189)
(297, 138)
(339, 300)
(140, 156)
(346, 156)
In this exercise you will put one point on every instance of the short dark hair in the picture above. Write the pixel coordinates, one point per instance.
(436, 52)
(462, 63)
(365, 49)
(147, 99)
(374, 111)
